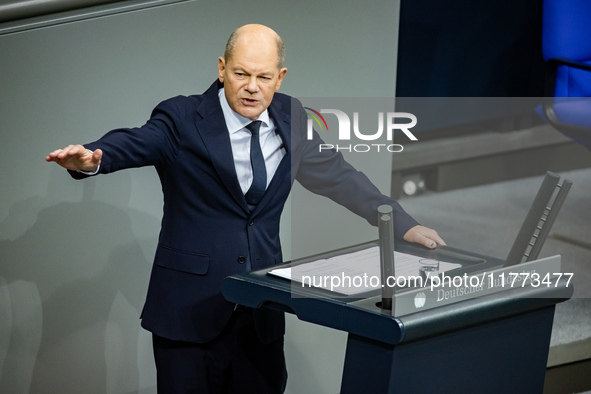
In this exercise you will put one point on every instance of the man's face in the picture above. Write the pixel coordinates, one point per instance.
(251, 77)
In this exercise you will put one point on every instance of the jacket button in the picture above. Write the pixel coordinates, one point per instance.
(241, 259)
(251, 223)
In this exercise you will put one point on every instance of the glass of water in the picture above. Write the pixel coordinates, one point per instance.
(428, 268)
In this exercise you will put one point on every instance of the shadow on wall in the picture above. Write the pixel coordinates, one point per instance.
(71, 291)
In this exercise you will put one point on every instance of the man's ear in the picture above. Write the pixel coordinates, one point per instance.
(280, 77)
(221, 69)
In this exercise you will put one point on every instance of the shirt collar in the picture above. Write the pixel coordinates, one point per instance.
(234, 121)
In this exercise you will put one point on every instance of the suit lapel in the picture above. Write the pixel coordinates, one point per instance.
(212, 128)
(282, 122)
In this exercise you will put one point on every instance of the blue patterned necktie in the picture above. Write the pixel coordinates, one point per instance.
(259, 171)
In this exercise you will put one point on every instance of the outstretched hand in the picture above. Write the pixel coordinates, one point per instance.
(76, 158)
(424, 236)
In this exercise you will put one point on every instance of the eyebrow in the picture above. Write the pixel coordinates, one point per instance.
(267, 72)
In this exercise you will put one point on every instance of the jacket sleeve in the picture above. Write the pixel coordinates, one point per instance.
(327, 173)
(155, 143)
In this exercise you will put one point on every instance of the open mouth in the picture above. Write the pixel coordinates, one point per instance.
(249, 102)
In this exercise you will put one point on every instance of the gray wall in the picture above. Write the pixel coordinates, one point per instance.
(75, 256)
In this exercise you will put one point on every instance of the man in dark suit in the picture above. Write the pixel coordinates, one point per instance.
(225, 182)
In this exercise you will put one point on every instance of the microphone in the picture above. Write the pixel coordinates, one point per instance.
(386, 234)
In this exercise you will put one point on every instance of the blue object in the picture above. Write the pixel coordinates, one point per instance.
(567, 52)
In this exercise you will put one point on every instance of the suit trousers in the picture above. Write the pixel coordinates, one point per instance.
(235, 362)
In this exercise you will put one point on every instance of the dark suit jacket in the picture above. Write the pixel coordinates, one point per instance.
(207, 230)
